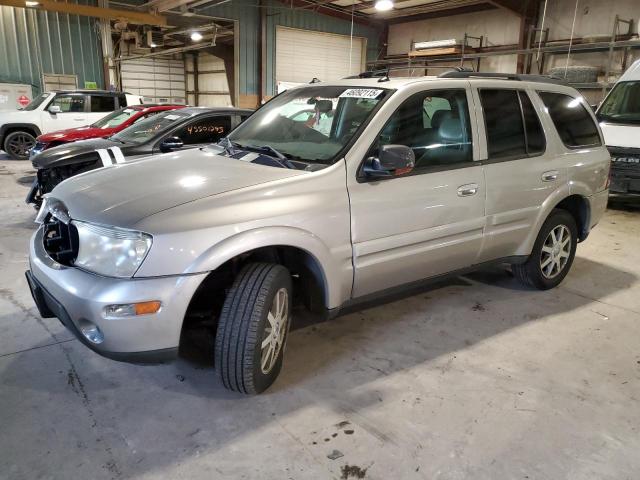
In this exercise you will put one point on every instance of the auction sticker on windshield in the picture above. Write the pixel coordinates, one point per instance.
(361, 93)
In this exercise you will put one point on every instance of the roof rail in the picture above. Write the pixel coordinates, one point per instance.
(504, 76)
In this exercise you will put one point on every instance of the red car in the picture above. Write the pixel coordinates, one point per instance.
(105, 127)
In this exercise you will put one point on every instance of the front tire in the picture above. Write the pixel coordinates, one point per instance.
(253, 327)
(553, 252)
(17, 145)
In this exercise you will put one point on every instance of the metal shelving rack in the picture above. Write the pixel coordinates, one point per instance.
(619, 42)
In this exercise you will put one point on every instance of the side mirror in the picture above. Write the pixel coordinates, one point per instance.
(170, 144)
(392, 161)
(53, 109)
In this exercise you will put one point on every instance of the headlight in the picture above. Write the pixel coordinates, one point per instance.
(113, 252)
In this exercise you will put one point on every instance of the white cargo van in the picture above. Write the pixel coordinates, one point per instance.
(619, 116)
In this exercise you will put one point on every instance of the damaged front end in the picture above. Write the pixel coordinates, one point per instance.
(47, 178)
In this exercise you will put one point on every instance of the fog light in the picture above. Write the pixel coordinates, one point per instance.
(92, 332)
(132, 309)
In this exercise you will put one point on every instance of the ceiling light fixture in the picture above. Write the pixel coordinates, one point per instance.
(153, 45)
(384, 5)
(30, 3)
(196, 36)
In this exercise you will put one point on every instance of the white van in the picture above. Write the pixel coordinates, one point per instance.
(619, 116)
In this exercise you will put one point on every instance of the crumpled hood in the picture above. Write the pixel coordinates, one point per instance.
(616, 135)
(75, 152)
(123, 194)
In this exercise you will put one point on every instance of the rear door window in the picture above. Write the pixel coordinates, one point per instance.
(571, 119)
(512, 125)
(205, 130)
(103, 103)
(536, 143)
(503, 120)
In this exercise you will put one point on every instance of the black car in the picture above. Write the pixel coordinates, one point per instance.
(184, 128)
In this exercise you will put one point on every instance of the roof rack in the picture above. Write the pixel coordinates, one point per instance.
(504, 76)
(384, 73)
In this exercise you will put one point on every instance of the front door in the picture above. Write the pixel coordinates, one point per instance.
(73, 113)
(427, 222)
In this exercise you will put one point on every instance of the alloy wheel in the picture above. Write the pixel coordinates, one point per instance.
(556, 251)
(19, 145)
(275, 330)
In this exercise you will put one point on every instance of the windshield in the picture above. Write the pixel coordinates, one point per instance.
(148, 128)
(115, 118)
(36, 102)
(312, 124)
(622, 105)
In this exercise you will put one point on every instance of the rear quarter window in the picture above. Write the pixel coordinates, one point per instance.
(571, 119)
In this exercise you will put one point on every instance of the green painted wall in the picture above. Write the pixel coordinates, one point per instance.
(35, 42)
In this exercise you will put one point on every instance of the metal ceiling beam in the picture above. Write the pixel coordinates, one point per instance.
(89, 11)
(415, 16)
(427, 7)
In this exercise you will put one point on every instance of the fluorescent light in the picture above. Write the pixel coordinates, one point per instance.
(196, 36)
(153, 45)
(384, 5)
(30, 3)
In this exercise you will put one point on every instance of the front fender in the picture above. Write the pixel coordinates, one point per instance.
(337, 275)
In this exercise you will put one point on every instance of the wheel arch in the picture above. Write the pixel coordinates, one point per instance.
(576, 204)
(300, 251)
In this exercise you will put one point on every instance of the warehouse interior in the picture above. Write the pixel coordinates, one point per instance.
(471, 375)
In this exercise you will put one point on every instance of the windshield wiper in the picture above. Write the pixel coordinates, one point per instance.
(272, 152)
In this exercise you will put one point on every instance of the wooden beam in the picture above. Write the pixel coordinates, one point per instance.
(90, 11)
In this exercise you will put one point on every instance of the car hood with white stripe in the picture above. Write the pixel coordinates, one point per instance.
(83, 151)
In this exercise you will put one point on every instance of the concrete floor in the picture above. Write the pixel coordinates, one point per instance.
(478, 378)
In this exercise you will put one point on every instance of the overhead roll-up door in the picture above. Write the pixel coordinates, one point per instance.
(302, 55)
(157, 79)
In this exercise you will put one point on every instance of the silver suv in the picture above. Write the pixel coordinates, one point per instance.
(330, 194)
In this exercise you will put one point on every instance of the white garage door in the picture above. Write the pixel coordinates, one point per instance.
(302, 55)
(157, 79)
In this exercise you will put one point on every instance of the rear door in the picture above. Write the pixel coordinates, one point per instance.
(430, 221)
(521, 169)
(72, 114)
(100, 106)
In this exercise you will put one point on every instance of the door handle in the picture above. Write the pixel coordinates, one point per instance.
(551, 176)
(468, 190)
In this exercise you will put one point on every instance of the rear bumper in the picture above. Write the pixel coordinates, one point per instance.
(78, 298)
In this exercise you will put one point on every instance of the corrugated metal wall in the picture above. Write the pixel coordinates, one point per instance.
(249, 36)
(39, 42)
(248, 14)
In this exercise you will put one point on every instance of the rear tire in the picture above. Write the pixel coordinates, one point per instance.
(253, 327)
(17, 144)
(552, 254)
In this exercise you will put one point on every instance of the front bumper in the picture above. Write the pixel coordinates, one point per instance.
(76, 297)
